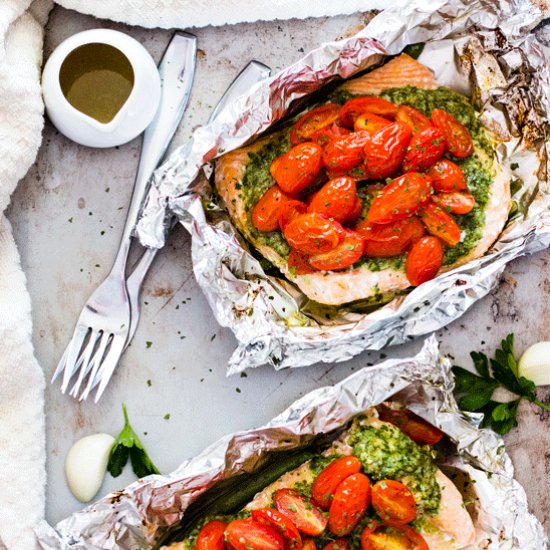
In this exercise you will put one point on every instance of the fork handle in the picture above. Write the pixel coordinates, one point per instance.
(176, 69)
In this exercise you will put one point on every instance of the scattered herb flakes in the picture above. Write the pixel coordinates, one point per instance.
(107, 189)
(90, 213)
(238, 390)
(149, 383)
(514, 166)
(166, 416)
(148, 344)
(212, 337)
(243, 374)
(70, 220)
(102, 232)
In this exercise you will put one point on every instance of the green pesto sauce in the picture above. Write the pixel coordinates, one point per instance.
(387, 453)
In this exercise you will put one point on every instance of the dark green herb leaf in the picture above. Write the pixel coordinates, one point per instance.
(501, 417)
(472, 392)
(117, 460)
(481, 363)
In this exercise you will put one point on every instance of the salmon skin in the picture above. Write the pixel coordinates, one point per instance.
(361, 283)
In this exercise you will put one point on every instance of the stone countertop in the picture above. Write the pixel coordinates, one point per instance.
(68, 214)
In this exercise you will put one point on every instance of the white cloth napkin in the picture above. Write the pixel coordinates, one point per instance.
(22, 426)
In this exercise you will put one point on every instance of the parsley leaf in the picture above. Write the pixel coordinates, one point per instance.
(474, 392)
(128, 445)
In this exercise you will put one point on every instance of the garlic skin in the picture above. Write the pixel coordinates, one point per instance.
(86, 464)
(535, 363)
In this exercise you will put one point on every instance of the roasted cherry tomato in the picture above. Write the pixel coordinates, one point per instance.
(457, 203)
(425, 148)
(447, 177)
(298, 263)
(344, 255)
(312, 121)
(385, 151)
(325, 135)
(211, 536)
(265, 215)
(309, 544)
(369, 122)
(313, 233)
(248, 534)
(414, 119)
(393, 502)
(350, 502)
(338, 544)
(440, 224)
(387, 537)
(336, 199)
(458, 140)
(352, 109)
(400, 199)
(391, 239)
(412, 425)
(424, 260)
(305, 515)
(289, 211)
(282, 524)
(325, 484)
(344, 154)
(297, 168)
(356, 212)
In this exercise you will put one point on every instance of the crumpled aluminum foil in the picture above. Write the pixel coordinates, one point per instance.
(135, 516)
(507, 73)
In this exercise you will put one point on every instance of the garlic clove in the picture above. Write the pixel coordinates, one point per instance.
(86, 464)
(535, 363)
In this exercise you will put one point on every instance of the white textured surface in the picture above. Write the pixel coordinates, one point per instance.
(186, 362)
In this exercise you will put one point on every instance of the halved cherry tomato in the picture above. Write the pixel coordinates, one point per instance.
(312, 121)
(289, 211)
(327, 481)
(424, 260)
(447, 177)
(298, 263)
(391, 239)
(385, 151)
(313, 233)
(412, 425)
(282, 524)
(414, 119)
(425, 148)
(458, 140)
(248, 534)
(297, 168)
(400, 199)
(211, 536)
(326, 134)
(370, 123)
(309, 544)
(338, 544)
(393, 502)
(457, 203)
(305, 515)
(344, 255)
(387, 537)
(351, 110)
(440, 224)
(350, 502)
(265, 214)
(344, 153)
(336, 199)
(356, 212)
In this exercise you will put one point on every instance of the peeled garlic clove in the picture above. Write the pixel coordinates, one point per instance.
(535, 363)
(86, 464)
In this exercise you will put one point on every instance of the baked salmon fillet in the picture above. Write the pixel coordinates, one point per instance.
(243, 175)
(383, 450)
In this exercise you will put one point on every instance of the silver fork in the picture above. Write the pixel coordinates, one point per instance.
(102, 329)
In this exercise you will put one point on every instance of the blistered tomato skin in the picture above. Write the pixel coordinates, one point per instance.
(307, 518)
(414, 119)
(387, 537)
(425, 149)
(281, 524)
(369, 122)
(313, 233)
(325, 135)
(352, 109)
(342, 256)
(212, 536)
(447, 177)
(440, 224)
(289, 211)
(424, 260)
(247, 534)
(313, 121)
(298, 263)
(338, 544)
(400, 199)
(298, 168)
(459, 143)
(457, 203)
(393, 502)
(336, 199)
(327, 481)
(265, 214)
(385, 151)
(345, 153)
(392, 239)
(350, 502)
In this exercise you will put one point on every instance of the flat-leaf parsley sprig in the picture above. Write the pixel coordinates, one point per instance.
(474, 392)
(127, 444)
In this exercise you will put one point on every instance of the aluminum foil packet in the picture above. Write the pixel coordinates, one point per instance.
(136, 516)
(489, 49)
